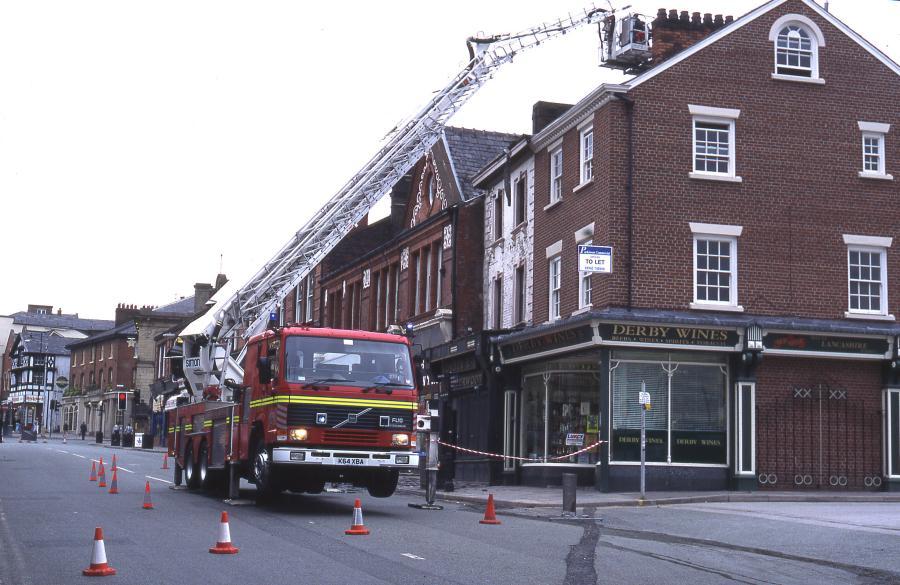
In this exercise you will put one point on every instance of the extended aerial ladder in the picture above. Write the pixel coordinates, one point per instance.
(210, 341)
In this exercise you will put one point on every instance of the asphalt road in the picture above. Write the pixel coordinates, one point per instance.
(48, 511)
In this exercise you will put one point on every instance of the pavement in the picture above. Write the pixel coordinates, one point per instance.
(551, 497)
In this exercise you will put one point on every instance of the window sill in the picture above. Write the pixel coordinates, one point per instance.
(497, 242)
(714, 307)
(869, 316)
(582, 310)
(552, 205)
(518, 228)
(712, 177)
(798, 79)
(870, 175)
(583, 185)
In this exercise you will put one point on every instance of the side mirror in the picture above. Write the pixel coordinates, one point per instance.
(264, 367)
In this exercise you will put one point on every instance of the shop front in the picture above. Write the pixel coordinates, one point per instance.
(821, 410)
(463, 389)
(579, 409)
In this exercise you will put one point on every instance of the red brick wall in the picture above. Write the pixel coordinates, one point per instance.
(788, 428)
(797, 150)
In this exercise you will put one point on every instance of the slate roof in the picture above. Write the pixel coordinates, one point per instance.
(184, 306)
(470, 150)
(55, 321)
(34, 342)
(124, 330)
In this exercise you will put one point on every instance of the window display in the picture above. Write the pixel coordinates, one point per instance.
(687, 422)
(561, 414)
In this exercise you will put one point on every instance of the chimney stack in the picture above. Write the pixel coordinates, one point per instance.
(543, 114)
(125, 313)
(203, 291)
(674, 32)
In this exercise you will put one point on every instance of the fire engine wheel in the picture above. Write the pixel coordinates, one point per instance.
(190, 468)
(262, 472)
(203, 467)
(383, 483)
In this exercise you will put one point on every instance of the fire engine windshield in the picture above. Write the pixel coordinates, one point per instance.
(353, 362)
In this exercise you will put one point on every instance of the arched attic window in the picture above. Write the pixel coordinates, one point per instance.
(797, 41)
(430, 188)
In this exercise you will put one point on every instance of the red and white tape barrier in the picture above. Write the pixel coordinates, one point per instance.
(530, 459)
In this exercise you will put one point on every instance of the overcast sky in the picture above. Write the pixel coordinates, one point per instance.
(139, 141)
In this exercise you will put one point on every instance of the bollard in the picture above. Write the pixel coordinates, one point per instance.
(569, 485)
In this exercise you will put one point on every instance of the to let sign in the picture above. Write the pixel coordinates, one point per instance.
(595, 259)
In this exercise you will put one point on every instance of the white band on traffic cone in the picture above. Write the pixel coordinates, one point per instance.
(224, 533)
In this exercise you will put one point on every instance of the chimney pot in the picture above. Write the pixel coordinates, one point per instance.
(729, 19)
(695, 18)
(673, 15)
(59, 311)
(661, 14)
(719, 21)
(708, 19)
(685, 17)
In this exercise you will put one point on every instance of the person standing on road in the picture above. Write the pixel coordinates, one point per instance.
(83, 430)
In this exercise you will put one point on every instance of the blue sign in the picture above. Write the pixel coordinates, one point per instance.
(595, 259)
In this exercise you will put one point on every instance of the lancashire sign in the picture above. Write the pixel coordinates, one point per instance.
(821, 344)
(668, 335)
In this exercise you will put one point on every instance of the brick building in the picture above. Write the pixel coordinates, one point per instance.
(103, 367)
(743, 179)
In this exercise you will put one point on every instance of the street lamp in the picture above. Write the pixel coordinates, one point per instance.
(61, 382)
(99, 437)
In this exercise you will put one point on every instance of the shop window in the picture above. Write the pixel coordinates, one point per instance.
(510, 429)
(893, 432)
(745, 419)
(687, 421)
(568, 402)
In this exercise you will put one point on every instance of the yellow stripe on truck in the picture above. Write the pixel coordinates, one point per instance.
(288, 399)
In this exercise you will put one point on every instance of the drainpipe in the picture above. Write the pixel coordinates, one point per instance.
(454, 214)
(629, 193)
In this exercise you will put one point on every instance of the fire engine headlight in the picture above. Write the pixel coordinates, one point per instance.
(400, 440)
(298, 434)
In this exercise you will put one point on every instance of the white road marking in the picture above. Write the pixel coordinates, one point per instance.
(77, 455)
(412, 556)
(157, 479)
(123, 469)
(61, 451)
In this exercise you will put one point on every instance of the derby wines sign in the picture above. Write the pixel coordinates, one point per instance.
(632, 334)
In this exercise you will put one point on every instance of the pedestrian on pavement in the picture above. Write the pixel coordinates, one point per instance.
(83, 430)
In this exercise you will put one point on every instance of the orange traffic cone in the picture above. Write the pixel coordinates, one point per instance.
(99, 567)
(490, 517)
(101, 475)
(165, 461)
(357, 527)
(223, 545)
(114, 486)
(148, 505)
(93, 471)
(114, 462)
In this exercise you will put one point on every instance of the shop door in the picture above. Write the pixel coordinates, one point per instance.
(818, 438)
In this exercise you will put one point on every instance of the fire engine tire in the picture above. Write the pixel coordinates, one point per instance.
(191, 477)
(262, 472)
(203, 478)
(383, 484)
